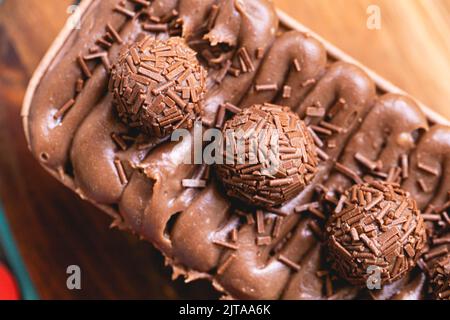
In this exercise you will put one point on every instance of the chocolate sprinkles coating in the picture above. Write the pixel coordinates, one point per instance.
(440, 278)
(269, 155)
(158, 86)
(380, 226)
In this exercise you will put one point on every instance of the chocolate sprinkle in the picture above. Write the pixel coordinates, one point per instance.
(297, 65)
(79, 85)
(277, 227)
(440, 278)
(259, 53)
(156, 27)
(225, 244)
(63, 110)
(124, 11)
(287, 91)
(260, 222)
(120, 171)
(232, 108)
(315, 112)
(223, 267)
(86, 71)
(289, 262)
(369, 164)
(348, 172)
(246, 61)
(114, 33)
(266, 87)
(193, 183)
(428, 169)
(263, 240)
(234, 235)
(405, 166)
(119, 141)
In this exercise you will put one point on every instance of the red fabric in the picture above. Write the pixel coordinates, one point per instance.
(8, 286)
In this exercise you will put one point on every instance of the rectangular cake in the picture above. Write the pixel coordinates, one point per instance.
(364, 128)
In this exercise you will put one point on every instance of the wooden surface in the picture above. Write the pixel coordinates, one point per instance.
(412, 48)
(54, 229)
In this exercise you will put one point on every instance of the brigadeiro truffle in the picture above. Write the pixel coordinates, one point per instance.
(158, 85)
(440, 278)
(269, 155)
(378, 227)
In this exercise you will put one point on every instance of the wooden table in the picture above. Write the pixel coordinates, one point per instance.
(412, 48)
(54, 229)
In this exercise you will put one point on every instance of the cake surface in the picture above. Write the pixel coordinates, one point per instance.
(363, 134)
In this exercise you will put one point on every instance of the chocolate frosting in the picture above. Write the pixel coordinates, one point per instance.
(200, 231)
(433, 150)
(278, 69)
(380, 138)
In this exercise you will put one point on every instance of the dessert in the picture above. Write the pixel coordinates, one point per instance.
(436, 262)
(378, 225)
(158, 85)
(269, 155)
(440, 278)
(363, 132)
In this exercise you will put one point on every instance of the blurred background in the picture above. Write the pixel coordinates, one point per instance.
(53, 228)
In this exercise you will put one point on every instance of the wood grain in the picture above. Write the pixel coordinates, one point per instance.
(52, 226)
(55, 229)
(412, 48)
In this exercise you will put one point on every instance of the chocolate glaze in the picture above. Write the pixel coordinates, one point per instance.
(277, 69)
(433, 150)
(380, 138)
(350, 93)
(255, 272)
(305, 284)
(210, 215)
(248, 24)
(185, 223)
(164, 166)
(50, 139)
(194, 13)
(98, 181)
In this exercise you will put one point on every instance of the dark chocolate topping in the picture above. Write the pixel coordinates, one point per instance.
(269, 155)
(158, 85)
(379, 226)
(440, 278)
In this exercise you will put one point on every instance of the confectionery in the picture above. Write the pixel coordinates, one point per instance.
(158, 85)
(440, 278)
(379, 225)
(436, 261)
(269, 155)
(363, 129)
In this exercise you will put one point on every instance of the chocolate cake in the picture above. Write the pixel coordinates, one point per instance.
(364, 131)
